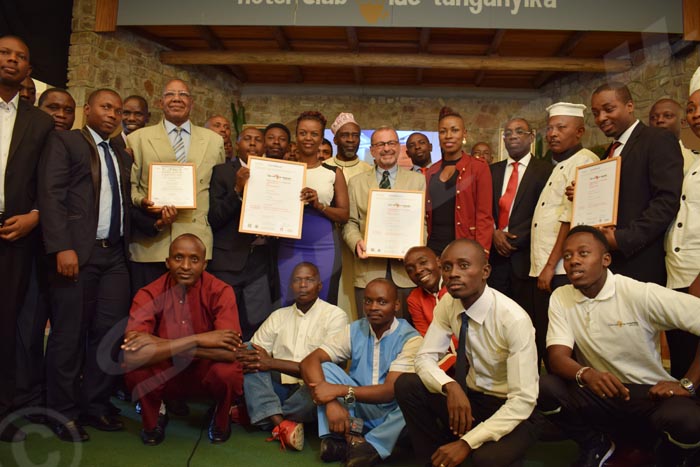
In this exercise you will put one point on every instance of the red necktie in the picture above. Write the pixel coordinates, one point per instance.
(611, 150)
(506, 201)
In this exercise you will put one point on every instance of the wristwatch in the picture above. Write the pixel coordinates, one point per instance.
(687, 385)
(350, 396)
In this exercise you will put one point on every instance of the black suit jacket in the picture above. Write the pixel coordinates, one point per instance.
(231, 248)
(69, 192)
(520, 222)
(32, 127)
(651, 177)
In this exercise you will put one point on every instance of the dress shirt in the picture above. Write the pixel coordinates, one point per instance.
(290, 334)
(618, 331)
(502, 355)
(623, 139)
(105, 208)
(419, 169)
(339, 349)
(186, 133)
(553, 208)
(379, 172)
(8, 115)
(522, 166)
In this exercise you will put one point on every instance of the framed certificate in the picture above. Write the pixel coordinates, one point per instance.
(272, 198)
(395, 222)
(597, 192)
(172, 184)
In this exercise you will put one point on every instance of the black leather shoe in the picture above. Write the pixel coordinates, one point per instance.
(70, 431)
(362, 455)
(217, 435)
(104, 422)
(12, 434)
(333, 449)
(155, 436)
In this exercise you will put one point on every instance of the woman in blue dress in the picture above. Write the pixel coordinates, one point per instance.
(325, 198)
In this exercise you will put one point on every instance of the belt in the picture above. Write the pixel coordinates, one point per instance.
(104, 243)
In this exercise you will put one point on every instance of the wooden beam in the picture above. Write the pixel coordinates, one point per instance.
(424, 40)
(454, 62)
(691, 20)
(492, 50)
(419, 76)
(357, 72)
(283, 44)
(106, 15)
(353, 41)
(214, 42)
(564, 51)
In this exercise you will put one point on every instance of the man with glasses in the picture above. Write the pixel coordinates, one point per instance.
(173, 140)
(388, 175)
(517, 183)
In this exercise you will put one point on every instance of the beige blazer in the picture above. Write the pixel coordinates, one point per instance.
(354, 231)
(151, 144)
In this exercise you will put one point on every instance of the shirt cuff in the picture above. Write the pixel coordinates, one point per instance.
(477, 436)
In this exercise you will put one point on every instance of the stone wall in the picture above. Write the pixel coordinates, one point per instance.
(129, 64)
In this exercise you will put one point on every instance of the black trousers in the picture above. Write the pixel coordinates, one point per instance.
(582, 414)
(427, 421)
(143, 274)
(16, 265)
(682, 346)
(540, 315)
(88, 318)
(520, 289)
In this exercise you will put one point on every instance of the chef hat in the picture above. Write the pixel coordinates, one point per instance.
(567, 109)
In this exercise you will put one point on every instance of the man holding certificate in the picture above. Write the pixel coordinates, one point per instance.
(385, 148)
(175, 140)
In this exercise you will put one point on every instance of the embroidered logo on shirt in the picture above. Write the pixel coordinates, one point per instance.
(620, 324)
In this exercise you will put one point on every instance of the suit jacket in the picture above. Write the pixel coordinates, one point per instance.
(231, 247)
(69, 192)
(651, 177)
(520, 221)
(151, 144)
(29, 135)
(354, 231)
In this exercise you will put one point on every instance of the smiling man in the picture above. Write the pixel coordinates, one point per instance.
(614, 381)
(277, 140)
(486, 413)
(364, 427)
(423, 268)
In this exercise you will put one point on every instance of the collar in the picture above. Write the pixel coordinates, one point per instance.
(418, 168)
(345, 164)
(626, 134)
(97, 138)
(524, 161)
(301, 313)
(392, 171)
(392, 328)
(169, 126)
(243, 163)
(557, 158)
(480, 308)
(608, 290)
(172, 285)
(13, 103)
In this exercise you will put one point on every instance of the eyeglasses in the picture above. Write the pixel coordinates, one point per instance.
(518, 131)
(381, 144)
(172, 94)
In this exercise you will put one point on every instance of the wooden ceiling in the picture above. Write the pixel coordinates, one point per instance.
(310, 44)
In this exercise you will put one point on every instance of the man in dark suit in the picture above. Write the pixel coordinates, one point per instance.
(84, 195)
(243, 261)
(23, 132)
(517, 183)
(650, 185)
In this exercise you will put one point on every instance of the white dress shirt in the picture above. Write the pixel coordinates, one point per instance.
(8, 115)
(618, 330)
(501, 352)
(624, 137)
(104, 212)
(290, 334)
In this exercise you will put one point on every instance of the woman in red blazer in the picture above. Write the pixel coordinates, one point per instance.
(458, 201)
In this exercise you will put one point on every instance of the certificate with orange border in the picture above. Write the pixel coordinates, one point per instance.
(395, 222)
(597, 193)
(272, 198)
(172, 184)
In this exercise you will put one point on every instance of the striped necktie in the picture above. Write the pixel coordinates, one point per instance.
(179, 146)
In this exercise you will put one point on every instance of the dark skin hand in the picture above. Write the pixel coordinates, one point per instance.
(502, 243)
(605, 384)
(257, 359)
(667, 389)
(67, 264)
(242, 176)
(451, 454)
(458, 408)
(694, 288)
(338, 418)
(19, 226)
(168, 215)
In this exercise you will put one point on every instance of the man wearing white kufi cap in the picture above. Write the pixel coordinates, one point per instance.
(552, 217)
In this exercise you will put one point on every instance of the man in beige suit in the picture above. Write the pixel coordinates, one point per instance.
(174, 139)
(385, 149)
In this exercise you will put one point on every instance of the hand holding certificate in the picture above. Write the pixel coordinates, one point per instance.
(172, 184)
(395, 222)
(596, 195)
(271, 204)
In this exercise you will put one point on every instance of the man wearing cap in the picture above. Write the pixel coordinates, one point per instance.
(552, 217)
(667, 113)
(276, 137)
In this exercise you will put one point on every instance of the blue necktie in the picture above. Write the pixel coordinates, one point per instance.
(461, 364)
(115, 215)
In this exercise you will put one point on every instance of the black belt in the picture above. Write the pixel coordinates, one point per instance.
(104, 243)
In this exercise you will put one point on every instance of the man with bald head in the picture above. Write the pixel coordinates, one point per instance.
(419, 148)
(220, 125)
(60, 105)
(19, 240)
(176, 140)
(667, 113)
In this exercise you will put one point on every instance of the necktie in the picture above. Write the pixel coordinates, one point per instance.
(461, 364)
(179, 146)
(115, 214)
(506, 201)
(611, 149)
(385, 184)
